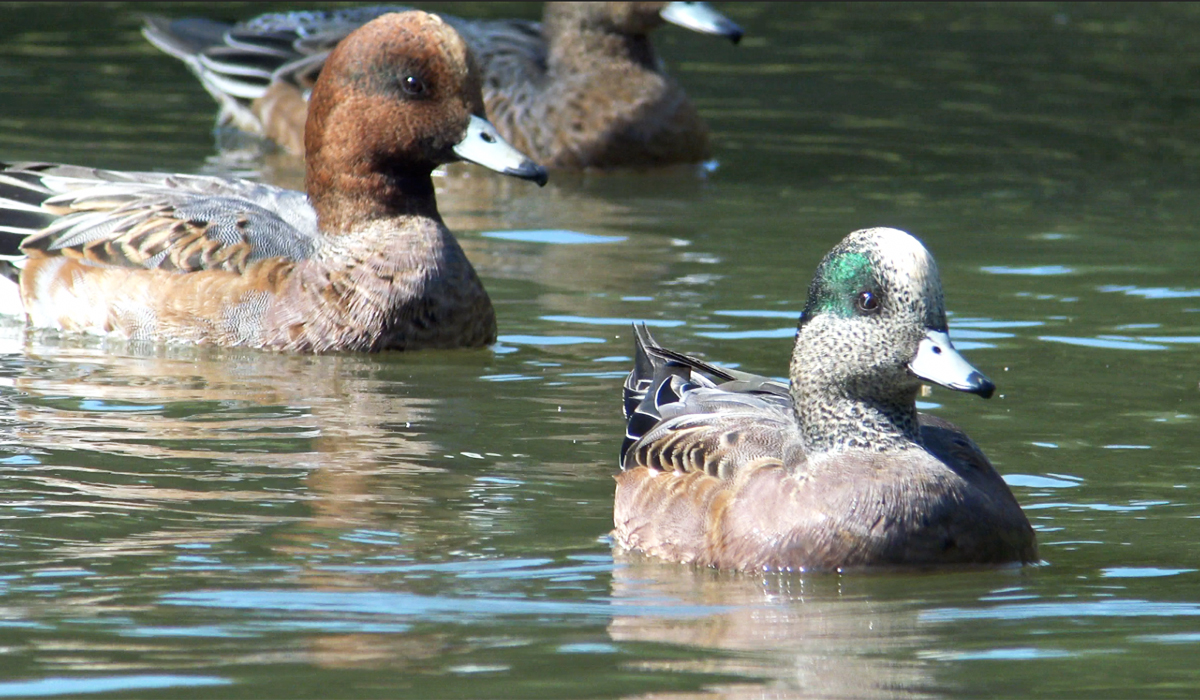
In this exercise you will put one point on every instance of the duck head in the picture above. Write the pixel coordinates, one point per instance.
(398, 97)
(873, 328)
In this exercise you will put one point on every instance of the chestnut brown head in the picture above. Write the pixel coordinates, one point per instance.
(398, 96)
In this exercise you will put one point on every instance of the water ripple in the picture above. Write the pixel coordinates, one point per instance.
(1151, 292)
(1109, 343)
(554, 236)
(1141, 572)
(1035, 270)
(459, 610)
(619, 321)
(103, 684)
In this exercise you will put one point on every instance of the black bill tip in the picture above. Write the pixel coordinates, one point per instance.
(530, 171)
(980, 385)
(699, 17)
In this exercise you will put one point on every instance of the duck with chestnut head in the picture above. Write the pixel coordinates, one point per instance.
(361, 261)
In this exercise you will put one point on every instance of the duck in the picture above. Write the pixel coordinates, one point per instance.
(582, 89)
(835, 470)
(360, 262)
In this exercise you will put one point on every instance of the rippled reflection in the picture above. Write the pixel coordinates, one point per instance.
(803, 637)
(434, 524)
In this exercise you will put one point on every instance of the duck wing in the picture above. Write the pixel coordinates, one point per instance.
(181, 223)
(684, 414)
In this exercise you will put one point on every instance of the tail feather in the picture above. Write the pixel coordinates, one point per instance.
(662, 377)
(196, 41)
(658, 378)
(183, 38)
(21, 213)
(639, 380)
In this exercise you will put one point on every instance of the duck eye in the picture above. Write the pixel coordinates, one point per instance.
(413, 85)
(867, 301)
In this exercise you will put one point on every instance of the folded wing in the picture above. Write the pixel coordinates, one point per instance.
(686, 415)
(179, 223)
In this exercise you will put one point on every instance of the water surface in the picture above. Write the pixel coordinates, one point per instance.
(181, 522)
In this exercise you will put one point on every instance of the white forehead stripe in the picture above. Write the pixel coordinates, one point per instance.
(912, 266)
(899, 246)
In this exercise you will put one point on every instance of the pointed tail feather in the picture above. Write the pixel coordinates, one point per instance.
(183, 38)
(21, 213)
(659, 377)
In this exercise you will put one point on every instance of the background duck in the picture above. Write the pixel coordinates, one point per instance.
(583, 89)
(838, 469)
(363, 262)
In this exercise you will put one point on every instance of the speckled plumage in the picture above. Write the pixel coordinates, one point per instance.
(582, 89)
(363, 262)
(836, 470)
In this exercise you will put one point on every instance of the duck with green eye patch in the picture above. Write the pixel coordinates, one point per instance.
(836, 469)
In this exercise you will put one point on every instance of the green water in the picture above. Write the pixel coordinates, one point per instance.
(183, 522)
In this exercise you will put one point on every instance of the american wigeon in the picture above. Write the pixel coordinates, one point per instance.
(582, 89)
(837, 470)
(363, 262)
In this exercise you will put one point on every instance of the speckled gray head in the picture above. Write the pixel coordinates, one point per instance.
(881, 270)
(874, 326)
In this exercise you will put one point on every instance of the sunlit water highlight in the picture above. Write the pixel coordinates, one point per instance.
(199, 522)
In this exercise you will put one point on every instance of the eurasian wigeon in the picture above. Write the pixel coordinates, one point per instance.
(363, 262)
(584, 89)
(838, 470)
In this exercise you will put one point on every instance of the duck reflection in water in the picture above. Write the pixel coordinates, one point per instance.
(790, 636)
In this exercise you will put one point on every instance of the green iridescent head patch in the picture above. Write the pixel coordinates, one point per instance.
(834, 287)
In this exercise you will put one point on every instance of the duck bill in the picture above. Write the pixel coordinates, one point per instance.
(699, 17)
(937, 361)
(484, 146)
